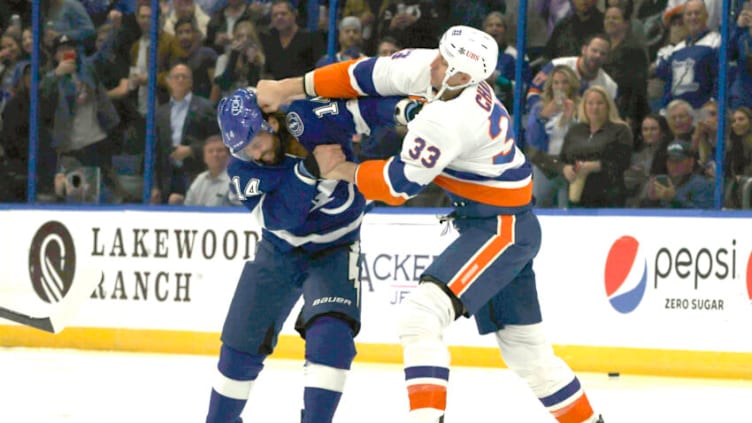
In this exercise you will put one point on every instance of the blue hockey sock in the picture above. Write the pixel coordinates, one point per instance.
(329, 353)
(224, 409)
(236, 373)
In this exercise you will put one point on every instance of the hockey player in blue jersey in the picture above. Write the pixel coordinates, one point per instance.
(309, 246)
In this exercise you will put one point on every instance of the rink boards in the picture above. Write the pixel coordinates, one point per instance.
(660, 293)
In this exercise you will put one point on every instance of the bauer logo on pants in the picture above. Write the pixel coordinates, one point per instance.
(52, 262)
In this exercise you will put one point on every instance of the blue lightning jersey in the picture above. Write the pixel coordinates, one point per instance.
(295, 210)
(690, 69)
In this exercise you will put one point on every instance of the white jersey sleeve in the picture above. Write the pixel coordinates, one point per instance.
(407, 72)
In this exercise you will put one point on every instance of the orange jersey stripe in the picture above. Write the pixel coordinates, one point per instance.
(576, 412)
(485, 256)
(427, 396)
(502, 197)
(370, 181)
(333, 80)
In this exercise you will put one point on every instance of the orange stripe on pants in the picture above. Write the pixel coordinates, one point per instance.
(576, 412)
(427, 396)
(485, 256)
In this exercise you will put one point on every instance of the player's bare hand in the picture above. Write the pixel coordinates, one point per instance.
(328, 156)
(270, 95)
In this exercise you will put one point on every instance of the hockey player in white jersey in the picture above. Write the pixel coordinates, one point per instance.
(464, 142)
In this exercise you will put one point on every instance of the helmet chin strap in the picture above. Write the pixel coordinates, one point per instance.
(445, 87)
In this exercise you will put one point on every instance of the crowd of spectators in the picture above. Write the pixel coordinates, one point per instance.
(620, 104)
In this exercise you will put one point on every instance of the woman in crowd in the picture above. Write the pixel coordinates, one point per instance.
(627, 63)
(596, 152)
(739, 157)
(547, 124)
(241, 66)
(649, 158)
(704, 137)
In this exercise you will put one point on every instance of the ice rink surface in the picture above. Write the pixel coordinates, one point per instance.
(54, 385)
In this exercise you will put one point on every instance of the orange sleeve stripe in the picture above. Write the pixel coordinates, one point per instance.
(333, 80)
(485, 257)
(577, 412)
(427, 396)
(370, 181)
(502, 197)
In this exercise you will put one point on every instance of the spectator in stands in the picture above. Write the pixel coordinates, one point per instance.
(261, 12)
(503, 78)
(713, 8)
(211, 188)
(27, 41)
(650, 8)
(587, 67)
(350, 42)
(182, 126)
(111, 63)
(681, 119)
(740, 46)
(536, 35)
(704, 137)
(202, 60)
(66, 17)
(186, 10)
(366, 11)
(168, 51)
(553, 11)
(636, 27)
(10, 54)
(14, 141)
(241, 67)
(547, 125)
(690, 69)
(649, 158)
(596, 152)
(627, 63)
(682, 187)
(84, 115)
(413, 23)
(387, 46)
(739, 157)
(210, 7)
(466, 12)
(221, 27)
(575, 30)
(295, 50)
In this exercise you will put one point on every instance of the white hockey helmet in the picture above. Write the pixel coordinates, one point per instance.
(467, 50)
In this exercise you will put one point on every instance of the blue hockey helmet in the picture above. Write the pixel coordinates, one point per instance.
(240, 119)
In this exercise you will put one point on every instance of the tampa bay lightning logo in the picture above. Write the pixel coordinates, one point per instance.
(236, 105)
(294, 124)
(625, 274)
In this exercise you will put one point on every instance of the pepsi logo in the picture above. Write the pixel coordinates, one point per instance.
(625, 274)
